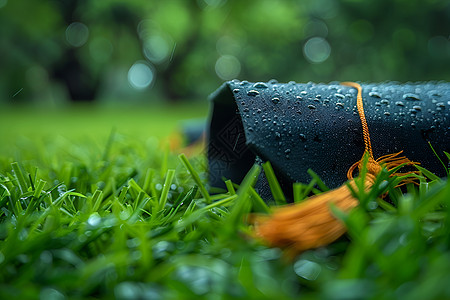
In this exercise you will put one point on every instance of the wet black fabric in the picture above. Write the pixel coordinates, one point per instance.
(301, 126)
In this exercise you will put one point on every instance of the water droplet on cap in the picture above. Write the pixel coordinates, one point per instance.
(311, 106)
(375, 94)
(260, 85)
(411, 97)
(399, 103)
(252, 93)
(275, 100)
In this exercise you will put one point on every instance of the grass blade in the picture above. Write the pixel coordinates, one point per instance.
(274, 185)
(20, 177)
(166, 188)
(195, 176)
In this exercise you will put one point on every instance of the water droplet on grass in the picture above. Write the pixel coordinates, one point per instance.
(51, 294)
(94, 219)
(307, 269)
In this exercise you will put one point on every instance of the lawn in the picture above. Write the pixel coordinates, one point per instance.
(94, 204)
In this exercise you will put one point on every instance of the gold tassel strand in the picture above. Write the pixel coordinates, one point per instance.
(310, 224)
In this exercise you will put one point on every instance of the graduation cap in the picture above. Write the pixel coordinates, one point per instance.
(323, 127)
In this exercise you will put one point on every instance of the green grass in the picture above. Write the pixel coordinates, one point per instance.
(85, 214)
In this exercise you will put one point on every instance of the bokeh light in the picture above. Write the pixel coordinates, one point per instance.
(141, 75)
(157, 48)
(228, 67)
(316, 50)
(77, 34)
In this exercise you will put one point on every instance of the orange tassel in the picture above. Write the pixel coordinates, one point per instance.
(311, 224)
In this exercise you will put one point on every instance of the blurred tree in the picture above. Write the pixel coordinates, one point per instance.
(184, 49)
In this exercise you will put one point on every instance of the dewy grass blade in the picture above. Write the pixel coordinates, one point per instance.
(135, 189)
(39, 188)
(166, 188)
(230, 187)
(258, 203)
(319, 181)
(433, 197)
(31, 181)
(297, 192)
(194, 216)
(20, 178)
(123, 194)
(242, 205)
(427, 173)
(97, 199)
(274, 185)
(195, 176)
(439, 158)
(148, 180)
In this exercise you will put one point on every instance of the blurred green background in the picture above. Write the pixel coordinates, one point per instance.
(140, 51)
